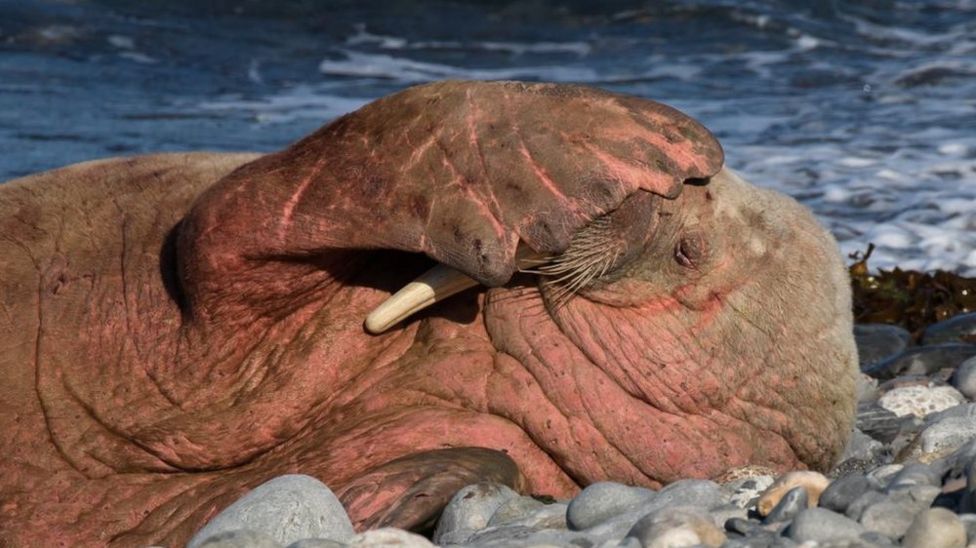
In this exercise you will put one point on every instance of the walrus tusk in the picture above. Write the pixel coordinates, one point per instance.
(432, 286)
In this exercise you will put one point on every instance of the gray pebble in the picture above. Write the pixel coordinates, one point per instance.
(599, 501)
(514, 509)
(857, 506)
(242, 538)
(969, 523)
(723, 513)
(880, 476)
(688, 492)
(892, 515)
(861, 446)
(317, 543)
(819, 524)
(287, 508)
(876, 341)
(964, 379)
(677, 526)
(843, 491)
(469, 511)
(935, 528)
(792, 503)
(914, 474)
(922, 360)
(878, 422)
(957, 328)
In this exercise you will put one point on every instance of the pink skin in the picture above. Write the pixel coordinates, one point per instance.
(153, 374)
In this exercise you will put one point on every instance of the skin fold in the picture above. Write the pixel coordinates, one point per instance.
(177, 329)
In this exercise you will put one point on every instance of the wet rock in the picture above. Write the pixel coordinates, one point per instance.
(287, 508)
(877, 341)
(813, 482)
(843, 491)
(923, 360)
(960, 328)
(243, 538)
(601, 500)
(792, 503)
(920, 400)
(964, 378)
(676, 527)
(469, 511)
(745, 492)
(389, 536)
(821, 525)
(935, 528)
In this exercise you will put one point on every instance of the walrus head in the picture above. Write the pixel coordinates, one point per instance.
(665, 318)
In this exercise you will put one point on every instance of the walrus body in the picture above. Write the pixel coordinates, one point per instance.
(176, 329)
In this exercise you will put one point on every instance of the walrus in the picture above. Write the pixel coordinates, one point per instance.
(178, 328)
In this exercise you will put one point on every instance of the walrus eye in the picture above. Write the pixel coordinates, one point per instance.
(689, 251)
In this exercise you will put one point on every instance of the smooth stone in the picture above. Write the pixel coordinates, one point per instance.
(549, 516)
(514, 510)
(861, 446)
(964, 379)
(601, 500)
(792, 503)
(920, 400)
(316, 543)
(892, 515)
(941, 439)
(877, 341)
(935, 528)
(688, 492)
(389, 536)
(843, 491)
(721, 514)
(959, 328)
(241, 538)
(287, 508)
(813, 482)
(857, 506)
(515, 537)
(821, 525)
(745, 492)
(873, 540)
(914, 474)
(923, 360)
(677, 526)
(470, 510)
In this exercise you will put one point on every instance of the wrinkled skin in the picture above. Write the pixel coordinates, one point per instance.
(177, 329)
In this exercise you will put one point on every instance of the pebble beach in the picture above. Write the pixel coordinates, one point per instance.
(907, 478)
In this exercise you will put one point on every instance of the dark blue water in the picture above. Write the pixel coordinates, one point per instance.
(864, 111)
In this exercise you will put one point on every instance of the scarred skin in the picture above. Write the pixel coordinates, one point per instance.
(177, 329)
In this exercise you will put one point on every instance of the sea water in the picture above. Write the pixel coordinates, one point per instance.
(864, 111)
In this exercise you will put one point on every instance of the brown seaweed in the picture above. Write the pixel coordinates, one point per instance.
(908, 298)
